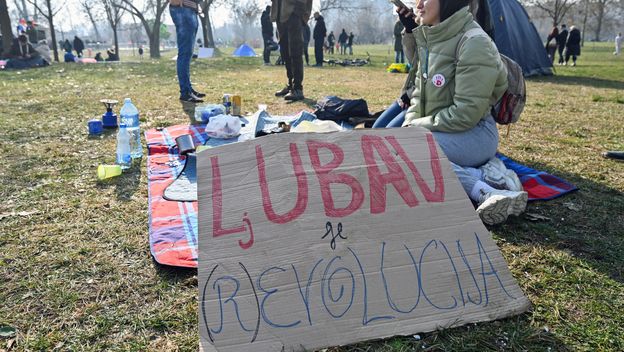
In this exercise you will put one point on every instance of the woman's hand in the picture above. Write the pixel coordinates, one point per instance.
(408, 18)
(404, 101)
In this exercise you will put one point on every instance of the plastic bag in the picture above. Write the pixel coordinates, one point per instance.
(203, 113)
(223, 127)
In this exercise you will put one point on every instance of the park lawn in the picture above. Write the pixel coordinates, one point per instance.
(75, 268)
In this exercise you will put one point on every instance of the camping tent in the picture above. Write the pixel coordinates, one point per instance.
(516, 36)
(244, 50)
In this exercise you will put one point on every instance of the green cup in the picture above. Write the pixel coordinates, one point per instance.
(107, 171)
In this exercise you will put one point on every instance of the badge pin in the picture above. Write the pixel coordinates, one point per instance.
(438, 80)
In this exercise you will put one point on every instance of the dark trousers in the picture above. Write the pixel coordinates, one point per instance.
(560, 50)
(305, 53)
(291, 50)
(318, 51)
(268, 43)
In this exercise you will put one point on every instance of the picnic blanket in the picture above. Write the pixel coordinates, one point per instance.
(540, 185)
(173, 228)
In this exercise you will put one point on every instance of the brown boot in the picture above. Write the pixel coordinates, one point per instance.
(294, 95)
(282, 92)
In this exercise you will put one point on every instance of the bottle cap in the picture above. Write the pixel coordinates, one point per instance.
(122, 125)
(127, 100)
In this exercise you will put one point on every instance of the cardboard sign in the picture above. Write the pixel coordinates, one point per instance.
(316, 240)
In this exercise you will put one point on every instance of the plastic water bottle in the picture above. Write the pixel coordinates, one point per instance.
(123, 147)
(129, 115)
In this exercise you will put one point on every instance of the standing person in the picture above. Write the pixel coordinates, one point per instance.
(306, 42)
(562, 38)
(184, 16)
(78, 46)
(399, 57)
(618, 44)
(67, 46)
(445, 101)
(290, 16)
(551, 48)
(350, 43)
(267, 35)
(141, 52)
(573, 45)
(320, 32)
(342, 40)
(331, 40)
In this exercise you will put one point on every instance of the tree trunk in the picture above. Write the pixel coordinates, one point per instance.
(5, 27)
(154, 40)
(50, 18)
(584, 23)
(116, 39)
(207, 31)
(25, 14)
(97, 32)
(599, 18)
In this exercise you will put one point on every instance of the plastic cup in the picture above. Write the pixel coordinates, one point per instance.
(107, 171)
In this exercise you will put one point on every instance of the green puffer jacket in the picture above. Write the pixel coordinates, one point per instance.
(452, 95)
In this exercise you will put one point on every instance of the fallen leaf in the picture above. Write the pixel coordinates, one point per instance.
(7, 331)
(536, 217)
(572, 206)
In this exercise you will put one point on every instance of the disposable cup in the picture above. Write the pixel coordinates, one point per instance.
(108, 171)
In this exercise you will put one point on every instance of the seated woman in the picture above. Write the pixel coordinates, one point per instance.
(23, 55)
(112, 55)
(454, 87)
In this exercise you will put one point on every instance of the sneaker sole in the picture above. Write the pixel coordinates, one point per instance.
(497, 208)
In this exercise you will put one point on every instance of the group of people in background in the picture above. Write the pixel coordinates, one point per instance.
(323, 43)
(560, 40)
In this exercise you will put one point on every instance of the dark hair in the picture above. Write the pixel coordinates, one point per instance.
(449, 7)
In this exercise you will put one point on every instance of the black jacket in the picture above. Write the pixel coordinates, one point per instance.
(320, 31)
(78, 44)
(573, 45)
(267, 25)
(342, 38)
(562, 38)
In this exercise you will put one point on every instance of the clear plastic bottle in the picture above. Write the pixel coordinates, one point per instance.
(129, 115)
(123, 147)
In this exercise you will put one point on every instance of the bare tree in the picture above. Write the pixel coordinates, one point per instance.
(49, 16)
(151, 25)
(22, 9)
(338, 5)
(113, 12)
(246, 13)
(556, 9)
(206, 24)
(90, 9)
(5, 27)
(600, 7)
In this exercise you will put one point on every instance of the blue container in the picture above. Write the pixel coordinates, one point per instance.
(95, 127)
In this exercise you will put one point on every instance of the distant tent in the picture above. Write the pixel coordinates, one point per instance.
(244, 51)
(516, 36)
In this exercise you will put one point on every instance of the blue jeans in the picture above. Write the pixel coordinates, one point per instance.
(392, 117)
(185, 20)
(399, 55)
(469, 149)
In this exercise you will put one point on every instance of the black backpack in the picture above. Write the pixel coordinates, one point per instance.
(339, 110)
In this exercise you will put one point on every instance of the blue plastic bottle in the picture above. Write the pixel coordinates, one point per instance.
(123, 147)
(129, 115)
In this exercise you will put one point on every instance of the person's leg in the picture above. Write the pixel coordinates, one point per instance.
(285, 51)
(185, 48)
(471, 148)
(560, 50)
(402, 57)
(573, 60)
(318, 52)
(387, 116)
(193, 25)
(266, 54)
(305, 53)
(398, 120)
(396, 57)
(295, 42)
(567, 57)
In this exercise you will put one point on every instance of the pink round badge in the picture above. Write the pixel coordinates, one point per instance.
(438, 80)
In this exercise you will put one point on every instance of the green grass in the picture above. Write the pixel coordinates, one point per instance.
(76, 274)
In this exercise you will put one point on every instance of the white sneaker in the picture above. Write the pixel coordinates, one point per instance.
(496, 206)
(498, 176)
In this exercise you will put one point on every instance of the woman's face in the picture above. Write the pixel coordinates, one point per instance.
(428, 11)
